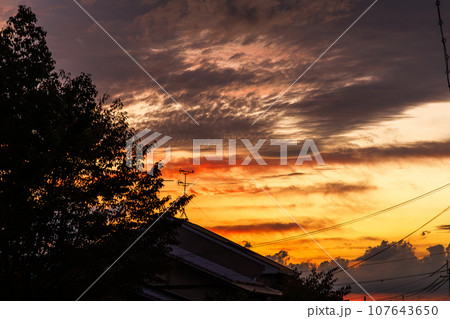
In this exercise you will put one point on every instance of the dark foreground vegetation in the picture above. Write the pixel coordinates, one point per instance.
(69, 205)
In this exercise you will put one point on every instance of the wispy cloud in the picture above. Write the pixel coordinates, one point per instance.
(274, 227)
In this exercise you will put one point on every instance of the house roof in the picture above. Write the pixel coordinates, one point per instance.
(215, 260)
(209, 266)
(158, 294)
(271, 266)
(221, 272)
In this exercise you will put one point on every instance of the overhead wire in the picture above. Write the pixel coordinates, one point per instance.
(435, 285)
(399, 259)
(400, 241)
(420, 290)
(390, 278)
(385, 210)
(444, 41)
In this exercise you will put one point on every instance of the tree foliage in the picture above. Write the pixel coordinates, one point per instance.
(69, 206)
(319, 285)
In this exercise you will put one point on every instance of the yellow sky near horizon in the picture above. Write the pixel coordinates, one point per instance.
(230, 197)
(367, 57)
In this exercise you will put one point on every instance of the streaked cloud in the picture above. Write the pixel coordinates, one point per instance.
(274, 227)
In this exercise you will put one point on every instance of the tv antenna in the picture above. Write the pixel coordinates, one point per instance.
(185, 184)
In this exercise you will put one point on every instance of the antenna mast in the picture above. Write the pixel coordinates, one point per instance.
(185, 184)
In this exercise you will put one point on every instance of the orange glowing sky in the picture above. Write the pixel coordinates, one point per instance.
(376, 105)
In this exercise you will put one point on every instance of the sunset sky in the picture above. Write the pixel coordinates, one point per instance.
(376, 104)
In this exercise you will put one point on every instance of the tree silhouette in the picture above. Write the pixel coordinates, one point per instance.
(69, 206)
(319, 285)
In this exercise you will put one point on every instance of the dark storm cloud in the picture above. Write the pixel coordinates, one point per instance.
(256, 228)
(336, 158)
(237, 56)
(352, 154)
(281, 257)
(380, 274)
(411, 151)
(206, 78)
(284, 175)
(400, 261)
(443, 227)
(307, 222)
(382, 67)
(334, 188)
(377, 71)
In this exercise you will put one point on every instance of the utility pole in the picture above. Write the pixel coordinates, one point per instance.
(448, 276)
(185, 184)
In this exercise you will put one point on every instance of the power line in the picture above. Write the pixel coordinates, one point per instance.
(353, 220)
(216, 251)
(443, 40)
(401, 240)
(399, 259)
(212, 252)
(393, 260)
(403, 285)
(430, 288)
(392, 278)
(448, 276)
(443, 282)
(416, 291)
(384, 210)
(424, 290)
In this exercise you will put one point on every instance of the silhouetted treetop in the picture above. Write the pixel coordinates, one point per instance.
(69, 206)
